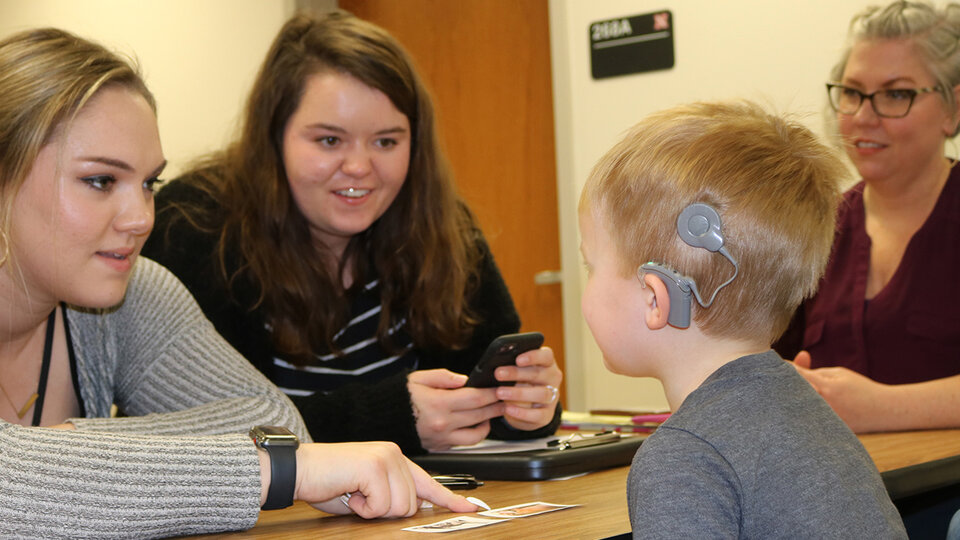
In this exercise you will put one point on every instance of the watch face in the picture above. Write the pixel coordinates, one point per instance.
(274, 436)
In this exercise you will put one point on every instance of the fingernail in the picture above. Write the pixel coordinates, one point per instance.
(426, 504)
(478, 502)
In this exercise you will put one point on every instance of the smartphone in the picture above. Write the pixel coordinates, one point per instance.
(502, 351)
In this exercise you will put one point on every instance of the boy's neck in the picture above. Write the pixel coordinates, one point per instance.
(693, 357)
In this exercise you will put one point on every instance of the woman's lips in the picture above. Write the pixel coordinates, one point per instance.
(352, 193)
(119, 260)
(866, 147)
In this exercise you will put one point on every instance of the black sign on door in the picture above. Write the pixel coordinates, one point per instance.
(631, 44)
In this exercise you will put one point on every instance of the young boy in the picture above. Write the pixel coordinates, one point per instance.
(725, 206)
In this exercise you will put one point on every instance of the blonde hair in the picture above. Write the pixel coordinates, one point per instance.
(775, 186)
(46, 77)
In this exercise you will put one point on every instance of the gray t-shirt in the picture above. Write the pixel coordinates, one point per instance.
(755, 452)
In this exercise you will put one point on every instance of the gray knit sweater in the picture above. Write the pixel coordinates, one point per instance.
(151, 474)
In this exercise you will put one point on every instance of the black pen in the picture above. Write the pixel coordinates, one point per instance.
(458, 481)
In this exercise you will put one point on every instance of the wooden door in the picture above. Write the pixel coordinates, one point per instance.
(487, 63)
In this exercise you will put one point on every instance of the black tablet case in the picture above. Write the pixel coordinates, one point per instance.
(541, 464)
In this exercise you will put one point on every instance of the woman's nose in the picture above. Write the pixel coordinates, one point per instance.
(136, 215)
(866, 114)
(356, 163)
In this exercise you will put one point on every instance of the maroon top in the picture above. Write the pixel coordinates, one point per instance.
(910, 331)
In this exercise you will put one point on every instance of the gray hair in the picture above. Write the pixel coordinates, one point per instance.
(935, 31)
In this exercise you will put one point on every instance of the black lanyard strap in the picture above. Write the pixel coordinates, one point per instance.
(45, 368)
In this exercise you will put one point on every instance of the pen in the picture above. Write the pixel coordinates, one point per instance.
(458, 481)
(577, 440)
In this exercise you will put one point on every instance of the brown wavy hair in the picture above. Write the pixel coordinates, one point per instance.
(423, 249)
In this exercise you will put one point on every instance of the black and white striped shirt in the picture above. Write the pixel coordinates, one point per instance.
(362, 358)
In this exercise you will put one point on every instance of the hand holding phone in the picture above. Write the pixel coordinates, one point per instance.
(502, 351)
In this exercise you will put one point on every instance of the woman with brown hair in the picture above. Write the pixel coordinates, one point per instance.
(85, 324)
(328, 245)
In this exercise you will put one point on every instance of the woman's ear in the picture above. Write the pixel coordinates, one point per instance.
(950, 126)
(658, 301)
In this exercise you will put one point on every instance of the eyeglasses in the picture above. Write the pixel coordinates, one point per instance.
(892, 103)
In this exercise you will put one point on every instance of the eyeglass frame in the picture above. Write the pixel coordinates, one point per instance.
(914, 92)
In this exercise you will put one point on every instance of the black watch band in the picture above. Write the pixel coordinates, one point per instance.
(281, 444)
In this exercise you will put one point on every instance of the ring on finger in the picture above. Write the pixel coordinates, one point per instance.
(554, 394)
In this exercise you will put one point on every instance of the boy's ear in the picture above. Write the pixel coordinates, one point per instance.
(658, 308)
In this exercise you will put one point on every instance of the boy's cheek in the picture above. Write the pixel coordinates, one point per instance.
(610, 365)
(586, 312)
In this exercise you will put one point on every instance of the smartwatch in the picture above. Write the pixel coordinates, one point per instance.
(281, 444)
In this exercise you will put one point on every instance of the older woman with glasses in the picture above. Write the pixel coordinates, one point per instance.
(881, 340)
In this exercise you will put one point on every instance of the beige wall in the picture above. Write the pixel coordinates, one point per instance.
(776, 52)
(199, 56)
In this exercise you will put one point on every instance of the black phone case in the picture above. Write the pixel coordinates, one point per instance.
(501, 352)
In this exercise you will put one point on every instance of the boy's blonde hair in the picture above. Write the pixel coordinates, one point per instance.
(774, 184)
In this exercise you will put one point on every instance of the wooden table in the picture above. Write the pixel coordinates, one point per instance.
(909, 461)
(915, 462)
(603, 513)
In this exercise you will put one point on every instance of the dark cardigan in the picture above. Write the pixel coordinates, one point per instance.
(373, 410)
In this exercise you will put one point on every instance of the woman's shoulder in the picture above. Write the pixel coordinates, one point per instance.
(150, 275)
(152, 285)
(188, 223)
(855, 193)
(154, 298)
(470, 233)
(951, 193)
(850, 211)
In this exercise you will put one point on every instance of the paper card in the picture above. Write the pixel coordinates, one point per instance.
(454, 524)
(525, 510)
(492, 446)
